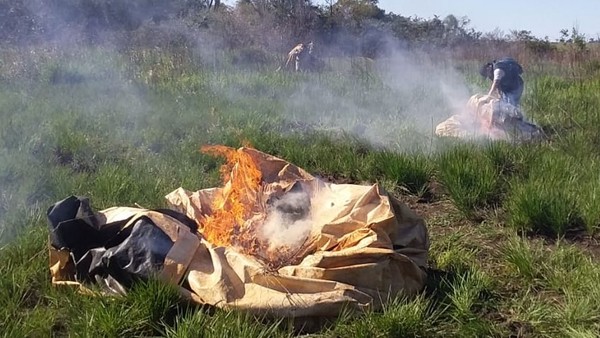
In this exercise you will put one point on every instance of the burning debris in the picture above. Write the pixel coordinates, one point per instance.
(273, 239)
(270, 222)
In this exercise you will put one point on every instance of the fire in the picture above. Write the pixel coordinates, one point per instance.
(253, 216)
(238, 202)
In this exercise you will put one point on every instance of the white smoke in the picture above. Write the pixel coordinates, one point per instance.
(298, 215)
(395, 101)
(289, 222)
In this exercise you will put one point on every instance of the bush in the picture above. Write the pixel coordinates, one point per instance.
(251, 57)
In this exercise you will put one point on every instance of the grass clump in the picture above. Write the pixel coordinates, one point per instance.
(532, 315)
(470, 178)
(469, 299)
(411, 173)
(448, 256)
(547, 202)
(555, 293)
(589, 198)
(139, 313)
(522, 259)
(510, 159)
(24, 287)
(538, 207)
(225, 323)
(402, 317)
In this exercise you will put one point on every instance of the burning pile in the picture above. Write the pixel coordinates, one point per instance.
(296, 243)
(272, 240)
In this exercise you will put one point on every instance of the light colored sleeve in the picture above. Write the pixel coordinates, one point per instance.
(498, 74)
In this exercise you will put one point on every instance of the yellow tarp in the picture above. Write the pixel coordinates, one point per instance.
(474, 122)
(365, 247)
(368, 247)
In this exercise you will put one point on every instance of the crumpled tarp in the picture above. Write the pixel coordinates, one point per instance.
(366, 247)
(113, 247)
(487, 116)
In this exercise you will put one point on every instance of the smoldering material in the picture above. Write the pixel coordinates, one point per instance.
(289, 221)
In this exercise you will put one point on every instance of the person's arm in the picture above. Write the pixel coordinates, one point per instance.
(498, 75)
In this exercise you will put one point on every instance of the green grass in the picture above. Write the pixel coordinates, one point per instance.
(225, 324)
(542, 206)
(400, 318)
(556, 197)
(565, 274)
(409, 172)
(506, 221)
(471, 179)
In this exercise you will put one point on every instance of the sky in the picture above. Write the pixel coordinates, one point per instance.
(542, 18)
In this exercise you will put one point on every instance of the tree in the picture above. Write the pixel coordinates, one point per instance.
(575, 38)
(358, 10)
(521, 36)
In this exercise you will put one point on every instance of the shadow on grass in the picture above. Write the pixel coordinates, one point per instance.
(441, 285)
(438, 284)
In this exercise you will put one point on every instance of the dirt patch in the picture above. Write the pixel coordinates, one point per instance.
(428, 209)
(66, 158)
(441, 215)
(63, 157)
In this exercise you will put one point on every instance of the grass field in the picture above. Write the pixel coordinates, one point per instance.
(512, 226)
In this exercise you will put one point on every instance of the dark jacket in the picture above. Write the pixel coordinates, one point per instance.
(512, 74)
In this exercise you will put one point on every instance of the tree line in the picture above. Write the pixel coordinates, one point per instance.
(353, 27)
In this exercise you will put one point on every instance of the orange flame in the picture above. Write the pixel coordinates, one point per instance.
(235, 205)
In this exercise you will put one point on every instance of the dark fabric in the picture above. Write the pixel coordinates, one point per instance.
(71, 208)
(512, 81)
(512, 96)
(138, 253)
(78, 236)
(109, 252)
(73, 226)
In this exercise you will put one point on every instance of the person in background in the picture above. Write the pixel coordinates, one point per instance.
(301, 57)
(294, 56)
(506, 79)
